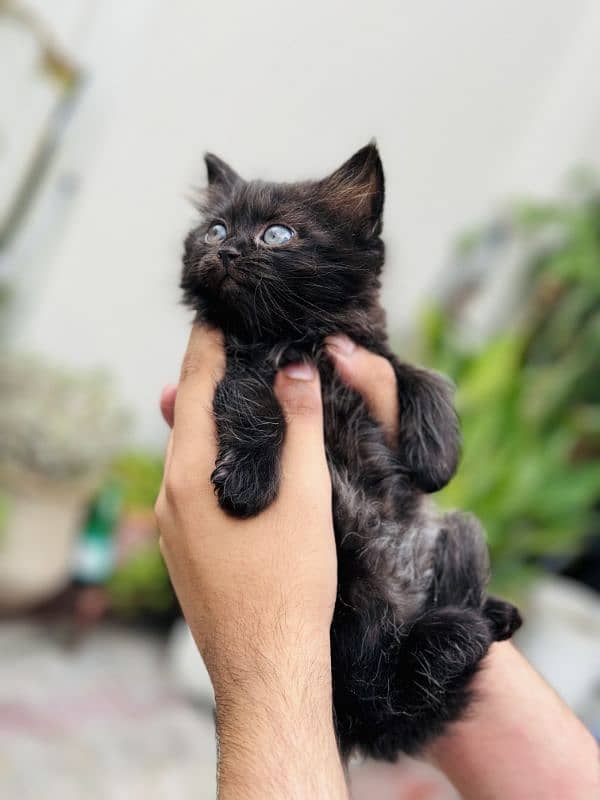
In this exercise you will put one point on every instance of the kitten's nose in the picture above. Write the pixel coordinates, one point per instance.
(228, 254)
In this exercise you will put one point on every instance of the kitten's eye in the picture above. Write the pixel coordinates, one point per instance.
(277, 234)
(216, 233)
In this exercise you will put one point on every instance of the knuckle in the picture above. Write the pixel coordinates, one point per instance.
(302, 405)
(190, 366)
(298, 399)
(179, 485)
(159, 508)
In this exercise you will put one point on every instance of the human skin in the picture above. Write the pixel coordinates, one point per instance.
(258, 595)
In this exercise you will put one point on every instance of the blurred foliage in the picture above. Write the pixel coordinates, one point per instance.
(140, 586)
(62, 424)
(529, 398)
(138, 476)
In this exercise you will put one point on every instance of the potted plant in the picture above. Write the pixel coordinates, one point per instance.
(58, 432)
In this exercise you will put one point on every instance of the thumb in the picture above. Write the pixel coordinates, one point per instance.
(304, 466)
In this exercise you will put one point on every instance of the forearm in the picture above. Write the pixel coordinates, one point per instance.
(275, 732)
(520, 740)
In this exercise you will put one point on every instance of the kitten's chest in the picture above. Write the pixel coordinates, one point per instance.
(348, 427)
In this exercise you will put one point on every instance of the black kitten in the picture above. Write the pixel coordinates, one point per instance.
(278, 267)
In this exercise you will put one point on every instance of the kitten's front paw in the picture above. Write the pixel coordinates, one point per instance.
(429, 441)
(244, 485)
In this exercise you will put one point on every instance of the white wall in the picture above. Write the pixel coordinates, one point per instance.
(469, 101)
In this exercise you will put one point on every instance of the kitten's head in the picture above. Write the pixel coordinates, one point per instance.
(287, 259)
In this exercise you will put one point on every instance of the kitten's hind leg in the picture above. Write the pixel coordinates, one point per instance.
(461, 565)
(415, 675)
(445, 645)
(413, 683)
(250, 431)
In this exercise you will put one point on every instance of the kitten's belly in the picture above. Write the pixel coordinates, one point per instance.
(385, 529)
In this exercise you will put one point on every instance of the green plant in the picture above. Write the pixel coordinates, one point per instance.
(529, 398)
(138, 475)
(140, 586)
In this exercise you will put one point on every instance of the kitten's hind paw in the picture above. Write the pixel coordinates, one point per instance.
(503, 617)
(245, 485)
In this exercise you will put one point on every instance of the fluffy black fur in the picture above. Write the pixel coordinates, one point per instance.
(412, 620)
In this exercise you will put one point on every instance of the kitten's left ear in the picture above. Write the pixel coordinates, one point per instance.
(357, 188)
(219, 173)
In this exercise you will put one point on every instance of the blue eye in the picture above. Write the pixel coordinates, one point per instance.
(277, 234)
(216, 233)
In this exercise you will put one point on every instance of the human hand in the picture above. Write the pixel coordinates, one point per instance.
(305, 555)
(258, 594)
(516, 718)
(543, 744)
(239, 581)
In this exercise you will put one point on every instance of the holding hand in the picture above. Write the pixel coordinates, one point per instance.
(258, 595)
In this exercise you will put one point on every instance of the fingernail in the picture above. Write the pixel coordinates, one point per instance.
(341, 344)
(299, 371)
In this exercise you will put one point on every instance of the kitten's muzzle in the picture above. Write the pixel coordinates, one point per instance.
(228, 255)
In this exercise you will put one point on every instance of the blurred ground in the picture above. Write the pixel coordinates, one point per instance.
(97, 720)
(100, 719)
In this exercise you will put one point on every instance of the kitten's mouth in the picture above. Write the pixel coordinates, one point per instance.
(224, 280)
(227, 278)
(229, 285)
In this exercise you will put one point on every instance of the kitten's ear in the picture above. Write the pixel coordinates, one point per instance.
(219, 173)
(357, 188)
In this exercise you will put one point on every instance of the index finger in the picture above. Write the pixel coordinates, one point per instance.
(194, 438)
(372, 376)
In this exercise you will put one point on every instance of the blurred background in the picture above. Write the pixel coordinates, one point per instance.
(488, 120)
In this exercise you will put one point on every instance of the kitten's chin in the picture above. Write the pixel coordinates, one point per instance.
(224, 304)
(229, 290)
(221, 286)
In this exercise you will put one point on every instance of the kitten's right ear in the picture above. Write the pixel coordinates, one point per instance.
(219, 173)
(357, 188)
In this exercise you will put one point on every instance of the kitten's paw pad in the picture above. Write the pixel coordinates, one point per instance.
(244, 488)
(503, 617)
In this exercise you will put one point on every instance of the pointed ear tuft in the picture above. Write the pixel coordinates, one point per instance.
(219, 173)
(357, 188)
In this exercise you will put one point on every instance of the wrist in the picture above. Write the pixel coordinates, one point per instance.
(255, 679)
(275, 730)
(266, 653)
(515, 713)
